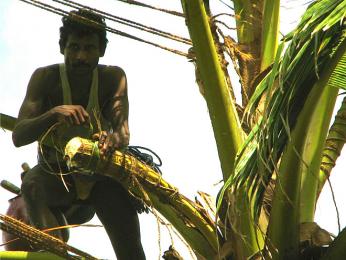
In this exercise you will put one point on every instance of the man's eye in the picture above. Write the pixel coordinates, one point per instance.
(73, 47)
(90, 48)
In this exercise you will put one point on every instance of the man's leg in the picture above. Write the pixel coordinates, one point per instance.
(42, 191)
(114, 209)
(79, 214)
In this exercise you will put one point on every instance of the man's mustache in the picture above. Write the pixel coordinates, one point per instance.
(80, 65)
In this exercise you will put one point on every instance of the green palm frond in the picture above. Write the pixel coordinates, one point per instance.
(311, 46)
(338, 78)
(337, 133)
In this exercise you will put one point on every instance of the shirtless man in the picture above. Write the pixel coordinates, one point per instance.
(70, 99)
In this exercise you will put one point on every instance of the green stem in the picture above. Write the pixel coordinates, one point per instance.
(223, 115)
(249, 34)
(246, 31)
(226, 125)
(315, 151)
(334, 144)
(315, 140)
(246, 237)
(21, 255)
(270, 32)
(300, 161)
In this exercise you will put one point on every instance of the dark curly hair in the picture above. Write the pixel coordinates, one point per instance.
(83, 22)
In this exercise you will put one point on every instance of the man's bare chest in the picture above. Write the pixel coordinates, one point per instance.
(80, 95)
(80, 91)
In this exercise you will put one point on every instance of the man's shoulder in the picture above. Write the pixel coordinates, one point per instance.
(110, 77)
(47, 72)
(111, 71)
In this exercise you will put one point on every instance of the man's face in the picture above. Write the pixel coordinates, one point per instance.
(82, 53)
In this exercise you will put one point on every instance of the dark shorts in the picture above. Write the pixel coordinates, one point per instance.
(59, 190)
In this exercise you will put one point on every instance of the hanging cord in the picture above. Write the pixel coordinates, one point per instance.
(227, 5)
(46, 7)
(127, 22)
(146, 158)
(61, 12)
(152, 7)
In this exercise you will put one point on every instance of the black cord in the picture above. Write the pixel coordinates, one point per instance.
(146, 158)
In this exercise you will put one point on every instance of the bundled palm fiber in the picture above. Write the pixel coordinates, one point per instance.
(147, 184)
(39, 240)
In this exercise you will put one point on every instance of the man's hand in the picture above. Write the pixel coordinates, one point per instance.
(109, 142)
(70, 114)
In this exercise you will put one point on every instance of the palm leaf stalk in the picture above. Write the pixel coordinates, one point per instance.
(335, 142)
(318, 131)
(270, 32)
(249, 25)
(40, 239)
(300, 163)
(309, 53)
(250, 22)
(227, 129)
(295, 75)
(22, 255)
(223, 115)
(189, 218)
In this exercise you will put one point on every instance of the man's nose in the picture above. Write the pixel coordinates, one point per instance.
(82, 55)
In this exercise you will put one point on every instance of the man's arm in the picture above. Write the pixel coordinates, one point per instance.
(34, 119)
(117, 112)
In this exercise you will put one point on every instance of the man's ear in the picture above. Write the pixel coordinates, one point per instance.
(61, 46)
(61, 49)
(102, 52)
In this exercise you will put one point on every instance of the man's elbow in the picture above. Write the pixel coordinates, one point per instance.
(16, 139)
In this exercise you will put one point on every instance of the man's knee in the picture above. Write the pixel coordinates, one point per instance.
(31, 187)
(32, 191)
(131, 251)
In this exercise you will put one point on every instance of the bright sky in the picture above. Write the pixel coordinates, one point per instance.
(167, 113)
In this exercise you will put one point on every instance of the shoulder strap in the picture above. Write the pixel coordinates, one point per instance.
(93, 103)
(93, 107)
(66, 90)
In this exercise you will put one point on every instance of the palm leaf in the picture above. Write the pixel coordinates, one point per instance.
(337, 132)
(308, 52)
